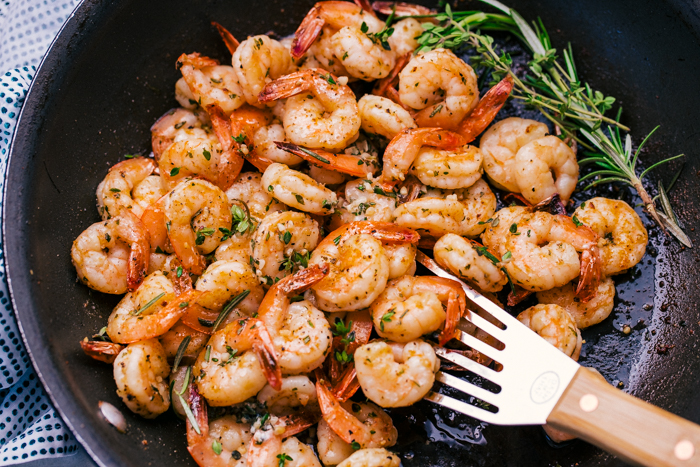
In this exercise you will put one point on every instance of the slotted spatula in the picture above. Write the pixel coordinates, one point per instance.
(539, 384)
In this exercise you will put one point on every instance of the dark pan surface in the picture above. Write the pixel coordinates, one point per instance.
(111, 73)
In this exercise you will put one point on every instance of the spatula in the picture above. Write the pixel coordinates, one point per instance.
(539, 384)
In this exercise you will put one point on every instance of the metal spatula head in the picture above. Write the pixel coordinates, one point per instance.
(531, 373)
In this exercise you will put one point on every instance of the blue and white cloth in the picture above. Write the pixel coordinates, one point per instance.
(30, 428)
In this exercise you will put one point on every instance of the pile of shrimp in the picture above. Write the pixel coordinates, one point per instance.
(267, 246)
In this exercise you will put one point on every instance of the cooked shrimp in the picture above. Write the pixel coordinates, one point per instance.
(223, 280)
(331, 448)
(334, 15)
(179, 125)
(486, 110)
(403, 150)
(453, 169)
(320, 113)
(584, 313)
(239, 361)
(402, 259)
(381, 116)
(497, 227)
(235, 248)
(396, 375)
(502, 142)
(101, 351)
(359, 264)
(411, 307)
(363, 203)
(141, 373)
(555, 325)
(148, 312)
(184, 96)
(298, 190)
(544, 253)
(296, 392)
(403, 40)
(112, 256)
(265, 140)
(545, 167)
(300, 332)
(257, 61)
(622, 236)
(194, 211)
(281, 244)
(441, 87)
(377, 457)
(190, 158)
(274, 452)
(362, 57)
(232, 437)
(211, 83)
(248, 189)
(114, 193)
(463, 258)
(439, 212)
(148, 191)
(355, 422)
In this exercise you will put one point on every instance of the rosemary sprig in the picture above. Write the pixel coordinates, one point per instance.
(554, 88)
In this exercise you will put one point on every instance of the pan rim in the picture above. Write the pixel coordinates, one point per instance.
(37, 351)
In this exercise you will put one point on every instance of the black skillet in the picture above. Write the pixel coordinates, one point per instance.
(110, 74)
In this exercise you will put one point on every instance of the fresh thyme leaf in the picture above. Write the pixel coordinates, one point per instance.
(483, 251)
(174, 171)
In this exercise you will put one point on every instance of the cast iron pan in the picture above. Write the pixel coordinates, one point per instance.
(110, 74)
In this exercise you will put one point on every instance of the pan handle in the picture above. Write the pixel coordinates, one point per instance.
(630, 428)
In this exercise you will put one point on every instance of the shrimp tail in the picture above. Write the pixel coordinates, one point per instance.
(140, 248)
(518, 197)
(366, 6)
(102, 351)
(265, 351)
(198, 406)
(230, 162)
(343, 163)
(552, 205)
(518, 295)
(590, 274)
(486, 110)
(298, 422)
(153, 219)
(455, 310)
(286, 86)
(230, 41)
(401, 9)
(194, 60)
(386, 232)
(386, 86)
(303, 280)
(307, 32)
(348, 384)
(333, 413)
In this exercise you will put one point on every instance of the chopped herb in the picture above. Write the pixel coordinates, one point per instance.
(115, 190)
(340, 328)
(314, 155)
(483, 251)
(270, 188)
(355, 445)
(149, 304)
(202, 234)
(179, 271)
(283, 458)
(336, 240)
(208, 353)
(174, 171)
(230, 306)
(205, 322)
(183, 304)
(507, 256)
(216, 447)
(436, 111)
(159, 250)
(513, 228)
(206, 154)
(379, 191)
(240, 139)
(179, 125)
(299, 198)
(362, 208)
(577, 222)
(307, 339)
(287, 237)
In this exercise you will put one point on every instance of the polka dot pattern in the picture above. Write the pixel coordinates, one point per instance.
(30, 428)
(28, 27)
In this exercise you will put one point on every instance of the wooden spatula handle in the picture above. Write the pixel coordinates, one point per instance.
(630, 428)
